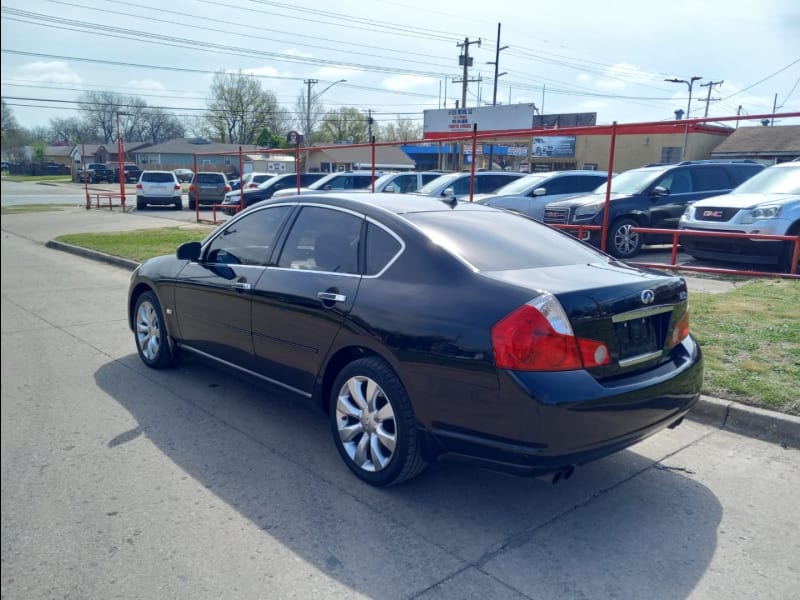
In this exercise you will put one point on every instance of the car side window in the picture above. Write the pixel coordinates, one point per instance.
(249, 240)
(586, 183)
(677, 182)
(323, 239)
(429, 177)
(407, 183)
(381, 248)
(559, 185)
(461, 186)
(711, 178)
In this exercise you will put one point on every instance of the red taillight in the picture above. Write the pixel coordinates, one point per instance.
(227, 188)
(538, 337)
(177, 186)
(680, 332)
(139, 186)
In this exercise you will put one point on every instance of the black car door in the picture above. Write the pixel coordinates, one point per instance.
(213, 296)
(300, 305)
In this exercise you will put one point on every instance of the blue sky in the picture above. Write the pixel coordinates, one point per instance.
(401, 57)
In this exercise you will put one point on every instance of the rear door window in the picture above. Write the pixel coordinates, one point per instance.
(711, 178)
(381, 249)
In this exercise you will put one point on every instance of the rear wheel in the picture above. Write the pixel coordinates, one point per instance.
(140, 204)
(178, 205)
(373, 424)
(151, 333)
(623, 242)
(191, 204)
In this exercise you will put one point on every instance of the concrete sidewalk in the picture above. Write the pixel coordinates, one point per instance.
(43, 227)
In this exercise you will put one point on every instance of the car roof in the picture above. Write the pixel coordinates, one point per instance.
(398, 204)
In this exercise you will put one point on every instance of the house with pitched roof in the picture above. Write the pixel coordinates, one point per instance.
(765, 144)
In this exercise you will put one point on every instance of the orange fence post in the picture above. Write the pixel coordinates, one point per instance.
(194, 185)
(604, 230)
(372, 143)
(472, 167)
(85, 177)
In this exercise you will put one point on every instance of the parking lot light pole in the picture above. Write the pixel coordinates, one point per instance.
(310, 83)
(120, 160)
(689, 84)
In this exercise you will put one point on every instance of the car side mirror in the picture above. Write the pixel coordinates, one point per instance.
(328, 187)
(660, 191)
(188, 251)
(449, 192)
(540, 191)
(390, 189)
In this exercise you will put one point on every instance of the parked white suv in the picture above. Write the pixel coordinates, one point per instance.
(767, 203)
(345, 180)
(158, 187)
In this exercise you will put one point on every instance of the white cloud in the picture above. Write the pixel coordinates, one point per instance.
(402, 83)
(50, 72)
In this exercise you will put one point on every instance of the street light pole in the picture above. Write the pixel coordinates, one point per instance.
(496, 64)
(689, 83)
(311, 83)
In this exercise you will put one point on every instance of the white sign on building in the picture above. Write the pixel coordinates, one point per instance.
(447, 122)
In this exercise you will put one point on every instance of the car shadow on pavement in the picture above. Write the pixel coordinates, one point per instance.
(623, 526)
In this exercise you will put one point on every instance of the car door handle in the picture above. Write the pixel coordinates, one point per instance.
(241, 285)
(331, 296)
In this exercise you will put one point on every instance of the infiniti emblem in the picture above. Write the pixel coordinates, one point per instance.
(648, 296)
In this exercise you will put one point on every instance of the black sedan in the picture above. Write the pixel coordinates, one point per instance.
(429, 328)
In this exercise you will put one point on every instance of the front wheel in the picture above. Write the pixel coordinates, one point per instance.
(373, 424)
(623, 242)
(151, 333)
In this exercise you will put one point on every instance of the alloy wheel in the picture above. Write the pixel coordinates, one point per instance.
(366, 423)
(148, 330)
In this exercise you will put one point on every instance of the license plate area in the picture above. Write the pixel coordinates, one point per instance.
(637, 336)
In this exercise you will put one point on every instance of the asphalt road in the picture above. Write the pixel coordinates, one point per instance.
(119, 481)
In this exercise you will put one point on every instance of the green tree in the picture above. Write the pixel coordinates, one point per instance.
(348, 124)
(267, 139)
(240, 108)
(14, 137)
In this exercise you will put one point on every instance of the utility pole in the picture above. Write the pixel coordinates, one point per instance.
(496, 64)
(709, 85)
(774, 108)
(465, 60)
(370, 121)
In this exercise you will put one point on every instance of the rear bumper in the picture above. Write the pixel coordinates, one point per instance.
(569, 418)
(160, 200)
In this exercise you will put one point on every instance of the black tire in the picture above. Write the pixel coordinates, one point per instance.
(191, 204)
(179, 205)
(150, 333)
(371, 426)
(622, 242)
(140, 205)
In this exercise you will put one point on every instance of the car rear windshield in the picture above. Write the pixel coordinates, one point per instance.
(158, 177)
(500, 241)
(209, 178)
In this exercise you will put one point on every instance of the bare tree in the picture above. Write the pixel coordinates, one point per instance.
(71, 129)
(240, 108)
(347, 124)
(308, 115)
(403, 129)
(100, 111)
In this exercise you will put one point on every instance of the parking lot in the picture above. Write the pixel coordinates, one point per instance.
(121, 481)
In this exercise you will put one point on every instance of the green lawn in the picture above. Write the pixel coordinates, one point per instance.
(750, 336)
(37, 178)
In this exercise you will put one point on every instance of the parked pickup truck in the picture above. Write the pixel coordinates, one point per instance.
(96, 172)
(132, 172)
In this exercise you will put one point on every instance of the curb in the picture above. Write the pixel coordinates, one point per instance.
(116, 261)
(759, 423)
(766, 425)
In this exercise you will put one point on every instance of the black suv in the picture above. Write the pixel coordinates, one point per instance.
(652, 196)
